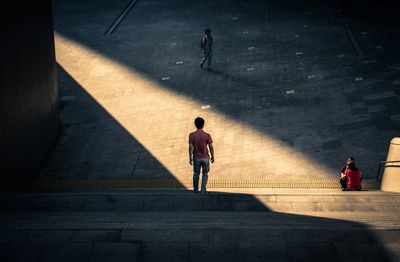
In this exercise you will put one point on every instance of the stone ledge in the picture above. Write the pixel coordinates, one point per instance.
(369, 184)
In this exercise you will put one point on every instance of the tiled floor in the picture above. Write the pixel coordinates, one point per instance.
(288, 96)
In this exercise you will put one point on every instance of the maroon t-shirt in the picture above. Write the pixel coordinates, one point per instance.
(200, 139)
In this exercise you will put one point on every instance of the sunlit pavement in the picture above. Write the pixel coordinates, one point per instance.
(287, 101)
(290, 97)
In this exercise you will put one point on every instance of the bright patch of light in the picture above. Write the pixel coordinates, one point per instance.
(161, 119)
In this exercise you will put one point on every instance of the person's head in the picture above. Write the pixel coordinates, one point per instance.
(352, 165)
(350, 159)
(199, 122)
(207, 31)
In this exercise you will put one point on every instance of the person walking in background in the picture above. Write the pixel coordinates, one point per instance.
(199, 143)
(206, 46)
(350, 176)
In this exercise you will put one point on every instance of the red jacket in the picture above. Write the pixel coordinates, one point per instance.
(353, 179)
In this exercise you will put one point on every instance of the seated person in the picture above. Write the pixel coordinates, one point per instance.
(352, 176)
(343, 178)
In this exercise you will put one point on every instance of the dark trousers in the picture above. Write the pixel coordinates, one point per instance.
(198, 164)
(343, 183)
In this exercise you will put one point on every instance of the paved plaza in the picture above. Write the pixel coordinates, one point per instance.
(295, 88)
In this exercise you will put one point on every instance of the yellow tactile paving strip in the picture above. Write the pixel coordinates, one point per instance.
(187, 183)
(152, 113)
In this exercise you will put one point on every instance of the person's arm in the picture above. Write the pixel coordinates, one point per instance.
(342, 173)
(211, 152)
(191, 148)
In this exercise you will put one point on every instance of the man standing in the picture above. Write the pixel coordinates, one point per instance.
(199, 143)
(206, 46)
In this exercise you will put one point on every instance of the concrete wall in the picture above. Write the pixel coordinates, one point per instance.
(391, 175)
(28, 92)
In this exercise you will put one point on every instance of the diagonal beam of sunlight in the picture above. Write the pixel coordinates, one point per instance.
(160, 119)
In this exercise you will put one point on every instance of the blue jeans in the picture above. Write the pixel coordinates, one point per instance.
(198, 164)
(208, 57)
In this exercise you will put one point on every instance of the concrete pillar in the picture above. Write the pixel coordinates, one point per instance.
(29, 121)
(391, 175)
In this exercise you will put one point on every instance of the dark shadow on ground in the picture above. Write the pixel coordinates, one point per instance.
(178, 225)
(226, 226)
(43, 227)
(93, 147)
(144, 45)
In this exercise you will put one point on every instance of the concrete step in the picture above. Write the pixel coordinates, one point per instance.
(195, 226)
(198, 251)
(187, 201)
(148, 225)
(200, 220)
(201, 236)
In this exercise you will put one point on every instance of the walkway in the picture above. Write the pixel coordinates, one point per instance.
(287, 101)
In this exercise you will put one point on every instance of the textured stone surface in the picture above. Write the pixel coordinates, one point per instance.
(294, 106)
(317, 226)
(59, 252)
(115, 252)
(288, 98)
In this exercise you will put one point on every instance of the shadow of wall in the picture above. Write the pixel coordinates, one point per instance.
(182, 226)
(94, 149)
(265, 96)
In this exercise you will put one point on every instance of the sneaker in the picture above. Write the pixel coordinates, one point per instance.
(203, 192)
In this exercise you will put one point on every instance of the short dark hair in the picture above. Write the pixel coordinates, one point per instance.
(208, 30)
(199, 122)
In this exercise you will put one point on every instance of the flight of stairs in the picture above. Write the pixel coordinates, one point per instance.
(178, 225)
